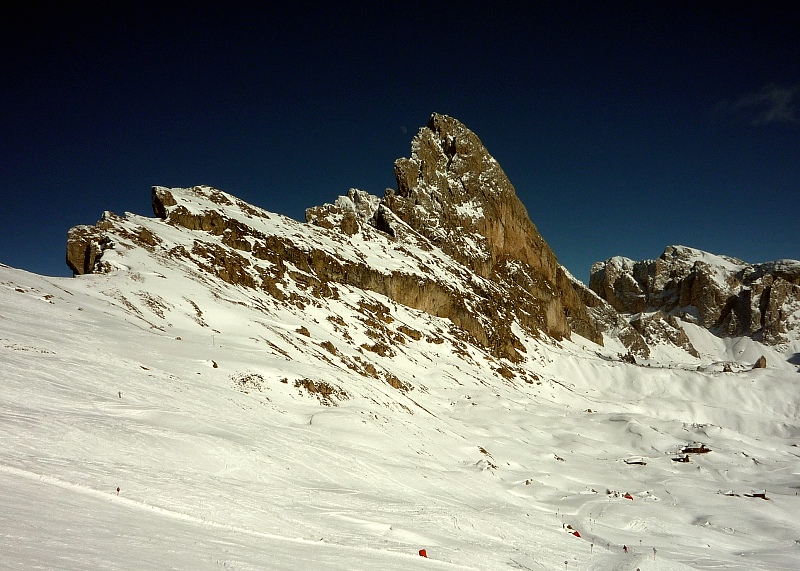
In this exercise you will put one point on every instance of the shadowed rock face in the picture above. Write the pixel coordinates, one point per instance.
(82, 249)
(452, 240)
(724, 294)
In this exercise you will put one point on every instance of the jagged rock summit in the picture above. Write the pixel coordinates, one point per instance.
(454, 194)
(720, 293)
(453, 240)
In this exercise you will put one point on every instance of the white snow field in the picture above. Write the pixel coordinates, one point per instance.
(191, 401)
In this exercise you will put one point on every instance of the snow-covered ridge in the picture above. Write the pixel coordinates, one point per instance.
(254, 251)
(453, 240)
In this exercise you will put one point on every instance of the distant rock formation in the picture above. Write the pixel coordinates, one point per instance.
(85, 245)
(723, 294)
(83, 249)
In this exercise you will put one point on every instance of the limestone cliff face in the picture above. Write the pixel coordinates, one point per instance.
(724, 294)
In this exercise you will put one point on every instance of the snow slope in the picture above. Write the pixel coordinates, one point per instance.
(195, 403)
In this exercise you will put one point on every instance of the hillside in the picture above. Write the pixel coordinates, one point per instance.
(224, 453)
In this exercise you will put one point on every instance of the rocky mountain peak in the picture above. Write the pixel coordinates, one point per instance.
(452, 191)
(455, 194)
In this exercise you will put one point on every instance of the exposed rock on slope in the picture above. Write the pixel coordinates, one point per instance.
(610, 322)
(724, 294)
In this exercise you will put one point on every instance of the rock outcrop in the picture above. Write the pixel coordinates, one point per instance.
(723, 294)
(83, 249)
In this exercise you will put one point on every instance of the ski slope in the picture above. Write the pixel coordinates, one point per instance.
(192, 402)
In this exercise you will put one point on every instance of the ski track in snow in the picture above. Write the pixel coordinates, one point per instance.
(111, 497)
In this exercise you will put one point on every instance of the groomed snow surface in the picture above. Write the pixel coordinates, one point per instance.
(187, 405)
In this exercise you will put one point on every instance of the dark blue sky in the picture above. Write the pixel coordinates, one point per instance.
(623, 129)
